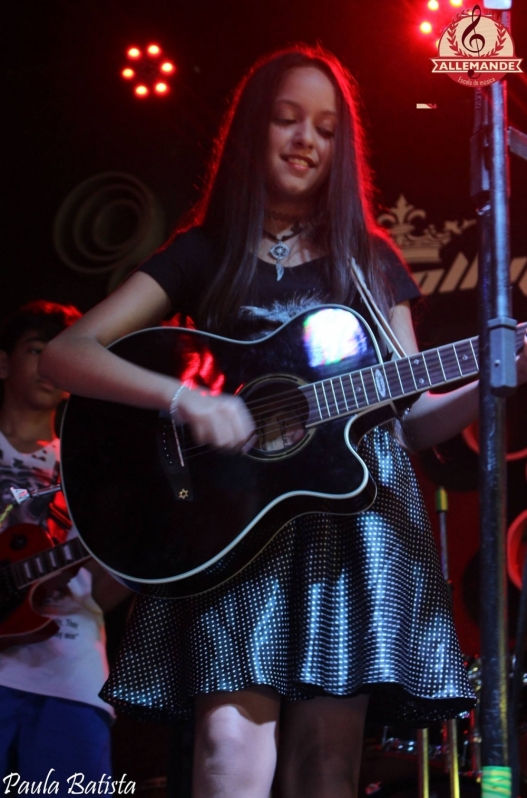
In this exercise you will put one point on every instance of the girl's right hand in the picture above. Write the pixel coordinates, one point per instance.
(223, 421)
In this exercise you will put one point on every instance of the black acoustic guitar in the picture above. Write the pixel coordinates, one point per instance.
(173, 519)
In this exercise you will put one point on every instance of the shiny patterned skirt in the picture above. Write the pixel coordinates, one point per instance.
(335, 605)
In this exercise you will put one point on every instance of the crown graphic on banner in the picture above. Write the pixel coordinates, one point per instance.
(418, 244)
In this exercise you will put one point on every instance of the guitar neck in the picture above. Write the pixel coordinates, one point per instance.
(385, 382)
(47, 562)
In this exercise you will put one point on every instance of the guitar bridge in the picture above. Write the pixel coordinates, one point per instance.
(170, 450)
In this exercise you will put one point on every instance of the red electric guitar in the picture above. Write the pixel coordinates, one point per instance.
(27, 559)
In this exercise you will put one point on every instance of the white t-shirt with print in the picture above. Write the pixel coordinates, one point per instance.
(72, 663)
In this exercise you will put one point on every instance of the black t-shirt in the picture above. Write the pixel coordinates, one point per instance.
(186, 267)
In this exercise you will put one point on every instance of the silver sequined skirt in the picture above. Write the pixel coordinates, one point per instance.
(335, 605)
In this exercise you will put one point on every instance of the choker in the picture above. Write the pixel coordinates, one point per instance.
(279, 251)
(286, 217)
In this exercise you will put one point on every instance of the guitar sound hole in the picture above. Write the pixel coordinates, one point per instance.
(280, 411)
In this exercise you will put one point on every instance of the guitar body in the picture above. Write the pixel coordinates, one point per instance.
(172, 519)
(20, 621)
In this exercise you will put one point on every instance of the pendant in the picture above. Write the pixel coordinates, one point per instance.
(279, 251)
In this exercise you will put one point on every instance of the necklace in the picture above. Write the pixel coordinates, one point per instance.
(279, 251)
(286, 217)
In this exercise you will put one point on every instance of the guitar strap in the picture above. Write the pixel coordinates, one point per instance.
(394, 345)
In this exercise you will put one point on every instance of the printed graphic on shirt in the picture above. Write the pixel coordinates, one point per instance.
(258, 321)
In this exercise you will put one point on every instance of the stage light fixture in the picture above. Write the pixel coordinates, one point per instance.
(425, 27)
(456, 3)
(150, 73)
(433, 5)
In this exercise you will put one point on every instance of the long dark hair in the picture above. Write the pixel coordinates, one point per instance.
(232, 205)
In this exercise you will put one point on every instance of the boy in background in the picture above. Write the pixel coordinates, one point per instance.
(51, 716)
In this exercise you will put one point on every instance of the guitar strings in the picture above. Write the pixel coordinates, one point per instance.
(285, 424)
(264, 406)
(447, 359)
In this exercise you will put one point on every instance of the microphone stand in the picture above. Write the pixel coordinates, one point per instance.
(490, 191)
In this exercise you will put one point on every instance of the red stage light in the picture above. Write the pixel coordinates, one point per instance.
(456, 3)
(425, 27)
(433, 5)
(151, 75)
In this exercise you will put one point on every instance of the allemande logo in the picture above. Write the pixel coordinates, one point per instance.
(476, 49)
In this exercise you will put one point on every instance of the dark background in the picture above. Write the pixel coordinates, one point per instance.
(69, 116)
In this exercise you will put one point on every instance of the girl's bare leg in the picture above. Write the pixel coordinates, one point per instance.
(235, 743)
(320, 747)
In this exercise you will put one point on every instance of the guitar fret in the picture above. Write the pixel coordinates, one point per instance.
(332, 399)
(355, 402)
(450, 365)
(406, 375)
(457, 360)
(394, 381)
(315, 394)
(474, 355)
(419, 370)
(68, 554)
(340, 399)
(51, 560)
(369, 386)
(467, 361)
(358, 389)
(434, 367)
(364, 391)
(344, 394)
(326, 398)
(39, 565)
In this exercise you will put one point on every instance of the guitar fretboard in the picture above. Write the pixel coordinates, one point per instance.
(376, 385)
(31, 569)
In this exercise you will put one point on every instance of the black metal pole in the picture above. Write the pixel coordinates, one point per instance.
(497, 380)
